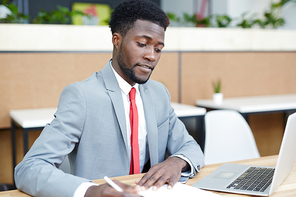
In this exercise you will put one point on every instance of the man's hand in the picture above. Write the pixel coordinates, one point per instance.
(168, 171)
(105, 190)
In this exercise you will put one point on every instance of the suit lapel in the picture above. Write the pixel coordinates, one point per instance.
(151, 125)
(114, 92)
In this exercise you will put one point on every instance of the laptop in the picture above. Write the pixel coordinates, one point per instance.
(255, 180)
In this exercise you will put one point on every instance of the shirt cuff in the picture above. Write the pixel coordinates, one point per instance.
(189, 173)
(81, 190)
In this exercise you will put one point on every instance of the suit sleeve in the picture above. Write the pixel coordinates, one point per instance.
(180, 142)
(38, 173)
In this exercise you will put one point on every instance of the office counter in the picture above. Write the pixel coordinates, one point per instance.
(254, 104)
(286, 189)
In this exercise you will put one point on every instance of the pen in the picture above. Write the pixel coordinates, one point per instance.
(112, 184)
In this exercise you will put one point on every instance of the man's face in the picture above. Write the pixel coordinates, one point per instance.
(140, 51)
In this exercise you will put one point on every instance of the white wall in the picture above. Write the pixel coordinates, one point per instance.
(233, 8)
(218, 7)
(178, 6)
(289, 14)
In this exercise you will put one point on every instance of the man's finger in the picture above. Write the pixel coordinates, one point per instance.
(157, 179)
(126, 188)
(144, 179)
(171, 183)
(160, 182)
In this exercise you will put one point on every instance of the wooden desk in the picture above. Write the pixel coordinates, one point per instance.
(254, 104)
(286, 189)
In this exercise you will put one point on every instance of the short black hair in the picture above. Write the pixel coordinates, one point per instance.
(125, 15)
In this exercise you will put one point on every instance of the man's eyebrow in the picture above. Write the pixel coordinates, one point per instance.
(149, 38)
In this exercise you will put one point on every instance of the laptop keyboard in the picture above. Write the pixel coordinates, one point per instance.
(253, 179)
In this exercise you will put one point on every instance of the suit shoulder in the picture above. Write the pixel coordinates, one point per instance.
(157, 88)
(155, 84)
(88, 82)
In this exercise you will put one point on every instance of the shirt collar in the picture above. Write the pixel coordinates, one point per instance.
(124, 86)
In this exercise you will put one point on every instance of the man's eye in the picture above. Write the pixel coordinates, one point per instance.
(158, 50)
(141, 44)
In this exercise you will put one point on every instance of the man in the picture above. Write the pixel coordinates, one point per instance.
(92, 124)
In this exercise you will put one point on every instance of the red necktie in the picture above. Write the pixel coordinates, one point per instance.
(134, 120)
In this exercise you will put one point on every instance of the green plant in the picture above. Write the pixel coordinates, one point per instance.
(173, 17)
(61, 15)
(203, 22)
(271, 18)
(187, 19)
(247, 22)
(15, 16)
(223, 20)
(217, 86)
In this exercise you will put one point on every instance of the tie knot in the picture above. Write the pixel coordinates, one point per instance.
(132, 94)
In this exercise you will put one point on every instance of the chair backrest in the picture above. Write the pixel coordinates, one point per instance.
(228, 137)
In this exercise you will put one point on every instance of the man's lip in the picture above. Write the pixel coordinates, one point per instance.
(146, 66)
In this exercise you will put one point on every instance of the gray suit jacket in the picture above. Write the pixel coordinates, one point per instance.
(90, 126)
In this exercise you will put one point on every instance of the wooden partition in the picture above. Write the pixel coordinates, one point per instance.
(241, 74)
(36, 80)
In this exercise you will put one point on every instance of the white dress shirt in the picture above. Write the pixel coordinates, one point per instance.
(125, 89)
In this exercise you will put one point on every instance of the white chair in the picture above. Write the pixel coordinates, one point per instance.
(228, 137)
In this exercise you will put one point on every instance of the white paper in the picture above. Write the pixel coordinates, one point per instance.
(179, 189)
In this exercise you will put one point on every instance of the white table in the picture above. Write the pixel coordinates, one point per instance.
(31, 118)
(183, 110)
(188, 111)
(28, 120)
(255, 104)
(36, 119)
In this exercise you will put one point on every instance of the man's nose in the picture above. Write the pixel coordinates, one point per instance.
(150, 54)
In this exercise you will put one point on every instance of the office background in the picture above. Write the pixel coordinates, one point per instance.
(37, 62)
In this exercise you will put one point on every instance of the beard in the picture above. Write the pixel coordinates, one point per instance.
(129, 72)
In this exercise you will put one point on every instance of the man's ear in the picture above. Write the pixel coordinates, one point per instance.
(116, 40)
